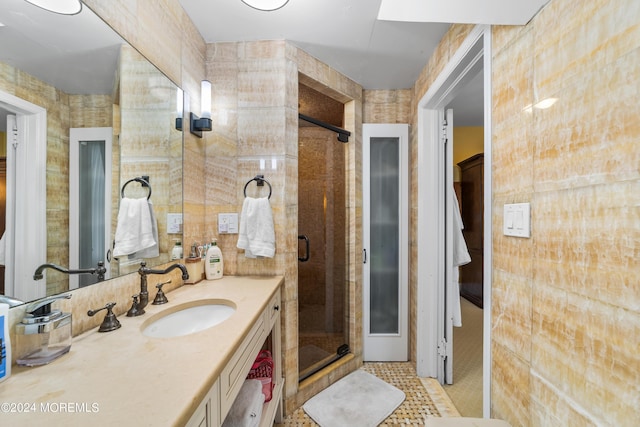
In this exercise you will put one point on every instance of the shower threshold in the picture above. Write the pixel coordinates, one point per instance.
(342, 351)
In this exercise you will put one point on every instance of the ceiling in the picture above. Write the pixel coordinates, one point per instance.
(348, 35)
(345, 34)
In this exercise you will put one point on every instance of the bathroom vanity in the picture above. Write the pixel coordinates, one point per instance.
(124, 377)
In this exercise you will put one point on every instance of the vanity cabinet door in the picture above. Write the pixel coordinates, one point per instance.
(234, 374)
(208, 412)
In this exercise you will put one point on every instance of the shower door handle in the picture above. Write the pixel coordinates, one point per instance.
(306, 241)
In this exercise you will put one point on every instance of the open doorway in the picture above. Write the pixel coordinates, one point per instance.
(25, 203)
(468, 174)
(435, 338)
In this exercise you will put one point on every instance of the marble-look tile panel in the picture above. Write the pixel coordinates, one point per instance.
(568, 48)
(564, 132)
(224, 84)
(510, 386)
(221, 180)
(387, 106)
(511, 313)
(164, 21)
(586, 242)
(548, 410)
(262, 83)
(121, 15)
(262, 50)
(261, 131)
(221, 52)
(602, 375)
(291, 133)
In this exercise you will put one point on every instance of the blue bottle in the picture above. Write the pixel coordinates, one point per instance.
(5, 344)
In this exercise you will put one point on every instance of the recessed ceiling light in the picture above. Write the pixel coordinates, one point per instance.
(64, 7)
(266, 5)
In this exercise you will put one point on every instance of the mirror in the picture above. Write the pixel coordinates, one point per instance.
(94, 87)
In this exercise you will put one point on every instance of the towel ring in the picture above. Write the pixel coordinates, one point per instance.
(260, 180)
(142, 181)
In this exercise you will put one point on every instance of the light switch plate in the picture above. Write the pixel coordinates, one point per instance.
(517, 220)
(174, 223)
(227, 223)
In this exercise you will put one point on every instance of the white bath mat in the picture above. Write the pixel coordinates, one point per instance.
(357, 400)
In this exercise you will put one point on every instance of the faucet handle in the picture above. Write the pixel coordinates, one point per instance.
(134, 310)
(160, 298)
(110, 323)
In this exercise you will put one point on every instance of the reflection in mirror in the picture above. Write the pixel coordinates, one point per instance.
(81, 114)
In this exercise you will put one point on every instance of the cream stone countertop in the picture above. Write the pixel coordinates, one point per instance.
(123, 378)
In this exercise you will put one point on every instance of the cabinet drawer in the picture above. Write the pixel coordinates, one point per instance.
(273, 309)
(234, 374)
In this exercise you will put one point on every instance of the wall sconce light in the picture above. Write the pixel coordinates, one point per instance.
(266, 5)
(202, 124)
(179, 108)
(63, 7)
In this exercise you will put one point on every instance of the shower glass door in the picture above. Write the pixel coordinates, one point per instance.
(322, 277)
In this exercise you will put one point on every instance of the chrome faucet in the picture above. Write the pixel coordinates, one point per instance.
(144, 271)
(100, 270)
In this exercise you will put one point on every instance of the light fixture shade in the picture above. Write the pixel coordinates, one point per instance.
(179, 102)
(205, 99)
(64, 7)
(267, 5)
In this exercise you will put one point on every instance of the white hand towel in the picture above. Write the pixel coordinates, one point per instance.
(247, 408)
(256, 235)
(151, 251)
(134, 231)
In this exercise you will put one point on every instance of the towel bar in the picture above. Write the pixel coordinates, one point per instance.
(142, 181)
(260, 182)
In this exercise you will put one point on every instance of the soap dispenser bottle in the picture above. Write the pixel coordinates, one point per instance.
(176, 252)
(213, 266)
(43, 335)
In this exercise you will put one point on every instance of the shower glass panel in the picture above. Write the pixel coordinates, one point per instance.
(91, 207)
(322, 279)
(385, 222)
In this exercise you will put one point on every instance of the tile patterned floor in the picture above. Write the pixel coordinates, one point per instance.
(424, 397)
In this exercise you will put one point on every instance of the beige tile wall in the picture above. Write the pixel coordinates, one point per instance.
(255, 97)
(566, 306)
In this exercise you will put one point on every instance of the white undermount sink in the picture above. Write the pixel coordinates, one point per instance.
(188, 319)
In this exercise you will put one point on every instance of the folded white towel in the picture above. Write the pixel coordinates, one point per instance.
(134, 231)
(151, 251)
(256, 235)
(247, 408)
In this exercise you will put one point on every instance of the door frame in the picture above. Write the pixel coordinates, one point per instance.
(474, 51)
(390, 346)
(26, 229)
(76, 136)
